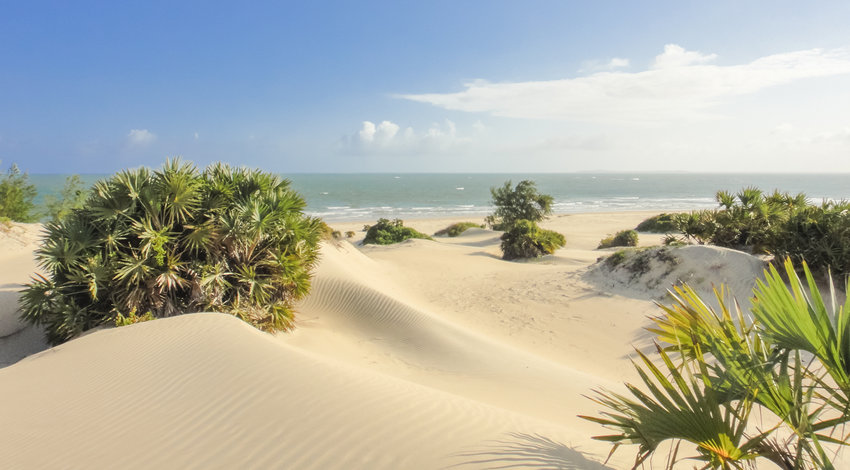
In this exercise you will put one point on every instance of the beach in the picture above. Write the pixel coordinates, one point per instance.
(423, 354)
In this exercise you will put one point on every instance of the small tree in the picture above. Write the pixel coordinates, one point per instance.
(16, 196)
(520, 203)
(73, 196)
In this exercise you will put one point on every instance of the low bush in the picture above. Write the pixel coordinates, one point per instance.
(386, 232)
(524, 239)
(454, 230)
(131, 318)
(349, 234)
(621, 238)
(662, 223)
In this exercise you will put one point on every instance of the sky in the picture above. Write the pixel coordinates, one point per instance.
(427, 86)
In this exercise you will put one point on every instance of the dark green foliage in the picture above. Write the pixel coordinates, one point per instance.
(622, 238)
(520, 203)
(456, 229)
(16, 196)
(386, 232)
(174, 241)
(662, 223)
(820, 235)
(524, 239)
(73, 196)
(779, 224)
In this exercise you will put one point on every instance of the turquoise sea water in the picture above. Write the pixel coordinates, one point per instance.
(365, 197)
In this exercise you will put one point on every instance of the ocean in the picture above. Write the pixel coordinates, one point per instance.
(367, 197)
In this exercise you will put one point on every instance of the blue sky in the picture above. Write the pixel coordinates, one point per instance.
(429, 86)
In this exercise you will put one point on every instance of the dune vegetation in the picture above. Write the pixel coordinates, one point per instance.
(16, 196)
(771, 383)
(172, 241)
(387, 232)
(456, 229)
(780, 224)
(518, 210)
(621, 238)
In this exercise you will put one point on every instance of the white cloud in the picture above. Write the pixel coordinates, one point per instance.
(618, 63)
(677, 56)
(196, 136)
(599, 65)
(783, 128)
(680, 84)
(840, 136)
(140, 137)
(388, 138)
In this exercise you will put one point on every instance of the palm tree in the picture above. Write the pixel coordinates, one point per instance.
(772, 383)
(176, 240)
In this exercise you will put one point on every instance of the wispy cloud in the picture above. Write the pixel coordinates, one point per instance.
(679, 84)
(600, 65)
(140, 137)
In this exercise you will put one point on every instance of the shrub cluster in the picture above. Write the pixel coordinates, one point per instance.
(524, 239)
(16, 196)
(621, 238)
(454, 230)
(176, 240)
(386, 232)
(662, 223)
(779, 224)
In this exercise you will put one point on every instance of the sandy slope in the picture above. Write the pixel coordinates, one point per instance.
(17, 264)
(426, 354)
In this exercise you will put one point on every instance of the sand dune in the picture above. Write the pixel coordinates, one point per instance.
(425, 354)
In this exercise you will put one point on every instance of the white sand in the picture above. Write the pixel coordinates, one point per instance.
(425, 354)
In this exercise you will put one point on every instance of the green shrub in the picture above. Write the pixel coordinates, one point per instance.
(820, 235)
(779, 224)
(520, 203)
(622, 238)
(617, 258)
(17, 195)
(662, 223)
(349, 234)
(524, 239)
(386, 232)
(173, 241)
(454, 230)
(72, 196)
(131, 318)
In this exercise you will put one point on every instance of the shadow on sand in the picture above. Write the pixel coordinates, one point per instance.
(527, 451)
